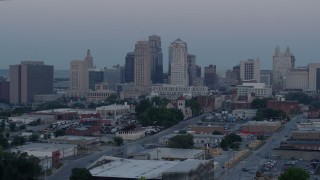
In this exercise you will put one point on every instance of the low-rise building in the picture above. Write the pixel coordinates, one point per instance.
(261, 127)
(48, 153)
(130, 135)
(117, 168)
(80, 141)
(59, 114)
(170, 154)
(306, 135)
(46, 97)
(207, 129)
(258, 89)
(113, 110)
(289, 107)
(174, 91)
(210, 103)
(93, 130)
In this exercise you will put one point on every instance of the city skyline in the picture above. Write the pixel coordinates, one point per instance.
(216, 32)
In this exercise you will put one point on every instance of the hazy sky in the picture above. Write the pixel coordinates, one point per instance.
(221, 32)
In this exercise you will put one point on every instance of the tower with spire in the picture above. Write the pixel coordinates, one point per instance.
(282, 64)
(89, 59)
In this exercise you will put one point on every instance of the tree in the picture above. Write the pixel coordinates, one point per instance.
(230, 141)
(183, 141)
(19, 166)
(142, 106)
(118, 140)
(194, 105)
(12, 126)
(267, 113)
(18, 140)
(298, 96)
(3, 141)
(217, 133)
(59, 132)
(22, 127)
(81, 174)
(33, 138)
(3, 125)
(259, 103)
(293, 173)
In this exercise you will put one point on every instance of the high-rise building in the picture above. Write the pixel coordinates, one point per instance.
(266, 77)
(28, 79)
(4, 89)
(142, 64)
(156, 59)
(79, 76)
(282, 63)
(96, 76)
(113, 76)
(178, 66)
(250, 70)
(314, 77)
(129, 68)
(210, 76)
(192, 69)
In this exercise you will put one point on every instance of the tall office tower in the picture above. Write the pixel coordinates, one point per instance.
(4, 89)
(156, 59)
(178, 63)
(129, 68)
(233, 76)
(142, 64)
(210, 76)
(282, 63)
(314, 77)
(250, 70)
(266, 77)
(28, 79)
(113, 76)
(96, 76)
(89, 59)
(79, 76)
(192, 69)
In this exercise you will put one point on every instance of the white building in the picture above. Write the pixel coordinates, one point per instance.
(79, 76)
(131, 135)
(282, 64)
(142, 64)
(250, 70)
(297, 79)
(178, 64)
(113, 110)
(259, 89)
(171, 91)
(46, 149)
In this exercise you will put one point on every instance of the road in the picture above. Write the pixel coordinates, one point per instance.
(65, 171)
(256, 159)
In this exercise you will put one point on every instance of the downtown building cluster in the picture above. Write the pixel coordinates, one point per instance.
(143, 74)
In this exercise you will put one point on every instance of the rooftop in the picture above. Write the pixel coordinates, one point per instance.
(74, 138)
(43, 146)
(263, 123)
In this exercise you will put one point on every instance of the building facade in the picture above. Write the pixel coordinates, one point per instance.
(174, 91)
(250, 70)
(210, 76)
(178, 63)
(96, 76)
(156, 59)
(28, 79)
(79, 76)
(129, 68)
(142, 64)
(113, 76)
(282, 64)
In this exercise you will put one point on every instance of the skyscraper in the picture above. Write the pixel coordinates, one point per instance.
(282, 63)
(178, 66)
(79, 76)
(192, 69)
(142, 64)
(28, 79)
(210, 76)
(250, 70)
(113, 76)
(129, 68)
(156, 59)
(96, 76)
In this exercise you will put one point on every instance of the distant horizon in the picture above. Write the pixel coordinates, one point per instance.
(221, 33)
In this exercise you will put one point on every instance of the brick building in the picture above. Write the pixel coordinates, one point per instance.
(290, 107)
(261, 127)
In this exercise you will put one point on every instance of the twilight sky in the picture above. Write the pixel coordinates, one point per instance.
(221, 32)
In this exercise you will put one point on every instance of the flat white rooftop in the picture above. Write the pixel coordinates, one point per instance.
(128, 168)
(43, 146)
